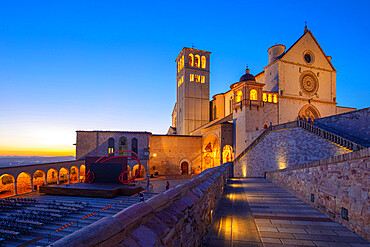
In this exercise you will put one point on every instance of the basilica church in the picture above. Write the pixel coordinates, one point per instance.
(258, 123)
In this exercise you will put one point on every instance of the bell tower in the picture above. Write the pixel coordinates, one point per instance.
(192, 90)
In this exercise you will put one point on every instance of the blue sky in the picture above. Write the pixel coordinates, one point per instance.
(110, 65)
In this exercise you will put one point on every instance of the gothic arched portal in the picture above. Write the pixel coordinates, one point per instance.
(309, 111)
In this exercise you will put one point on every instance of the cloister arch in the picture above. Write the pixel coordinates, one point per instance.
(63, 176)
(227, 154)
(82, 172)
(74, 176)
(38, 179)
(211, 151)
(135, 170)
(7, 185)
(24, 183)
(52, 176)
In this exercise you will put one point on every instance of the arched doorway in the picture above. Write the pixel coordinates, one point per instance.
(309, 112)
(63, 176)
(184, 167)
(82, 172)
(52, 176)
(7, 187)
(24, 183)
(211, 152)
(227, 154)
(38, 179)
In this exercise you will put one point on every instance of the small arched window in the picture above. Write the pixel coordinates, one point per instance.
(264, 97)
(238, 97)
(191, 60)
(253, 94)
(111, 145)
(203, 62)
(275, 98)
(214, 113)
(134, 146)
(197, 61)
(122, 145)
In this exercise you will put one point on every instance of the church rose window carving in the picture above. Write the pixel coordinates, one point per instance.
(309, 83)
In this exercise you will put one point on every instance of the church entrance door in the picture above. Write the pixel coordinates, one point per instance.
(184, 167)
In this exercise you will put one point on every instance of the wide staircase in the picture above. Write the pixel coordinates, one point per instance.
(331, 134)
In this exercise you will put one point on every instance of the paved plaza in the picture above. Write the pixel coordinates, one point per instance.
(256, 212)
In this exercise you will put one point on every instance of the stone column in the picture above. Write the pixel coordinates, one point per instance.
(15, 187)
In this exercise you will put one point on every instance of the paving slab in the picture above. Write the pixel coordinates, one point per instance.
(257, 212)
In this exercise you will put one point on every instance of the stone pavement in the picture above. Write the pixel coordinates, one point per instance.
(256, 212)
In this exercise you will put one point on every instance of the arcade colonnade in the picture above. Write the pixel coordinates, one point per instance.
(23, 179)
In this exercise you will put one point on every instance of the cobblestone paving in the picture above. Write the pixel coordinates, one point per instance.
(256, 212)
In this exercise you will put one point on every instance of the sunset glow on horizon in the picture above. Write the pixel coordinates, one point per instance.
(110, 65)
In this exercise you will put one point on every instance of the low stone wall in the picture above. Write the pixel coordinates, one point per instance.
(337, 184)
(178, 217)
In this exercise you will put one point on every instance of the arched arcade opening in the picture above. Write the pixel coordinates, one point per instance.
(24, 183)
(52, 176)
(38, 179)
(7, 187)
(82, 173)
(74, 175)
(63, 176)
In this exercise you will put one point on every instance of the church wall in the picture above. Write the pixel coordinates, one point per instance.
(289, 81)
(285, 148)
(220, 106)
(167, 153)
(251, 119)
(271, 78)
(296, 52)
(289, 108)
(87, 142)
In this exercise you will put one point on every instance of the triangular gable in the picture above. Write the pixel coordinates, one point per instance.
(307, 42)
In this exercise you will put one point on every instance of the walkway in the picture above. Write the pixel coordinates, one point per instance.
(256, 212)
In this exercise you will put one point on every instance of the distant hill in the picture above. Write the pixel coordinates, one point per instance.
(8, 161)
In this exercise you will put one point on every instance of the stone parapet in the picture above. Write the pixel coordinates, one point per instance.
(338, 186)
(178, 217)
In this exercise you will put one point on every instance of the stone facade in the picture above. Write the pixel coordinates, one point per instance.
(181, 216)
(284, 148)
(334, 183)
(251, 119)
(167, 153)
(95, 143)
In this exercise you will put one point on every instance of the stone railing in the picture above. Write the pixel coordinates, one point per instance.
(337, 186)
(341, 141)
(178, 216)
